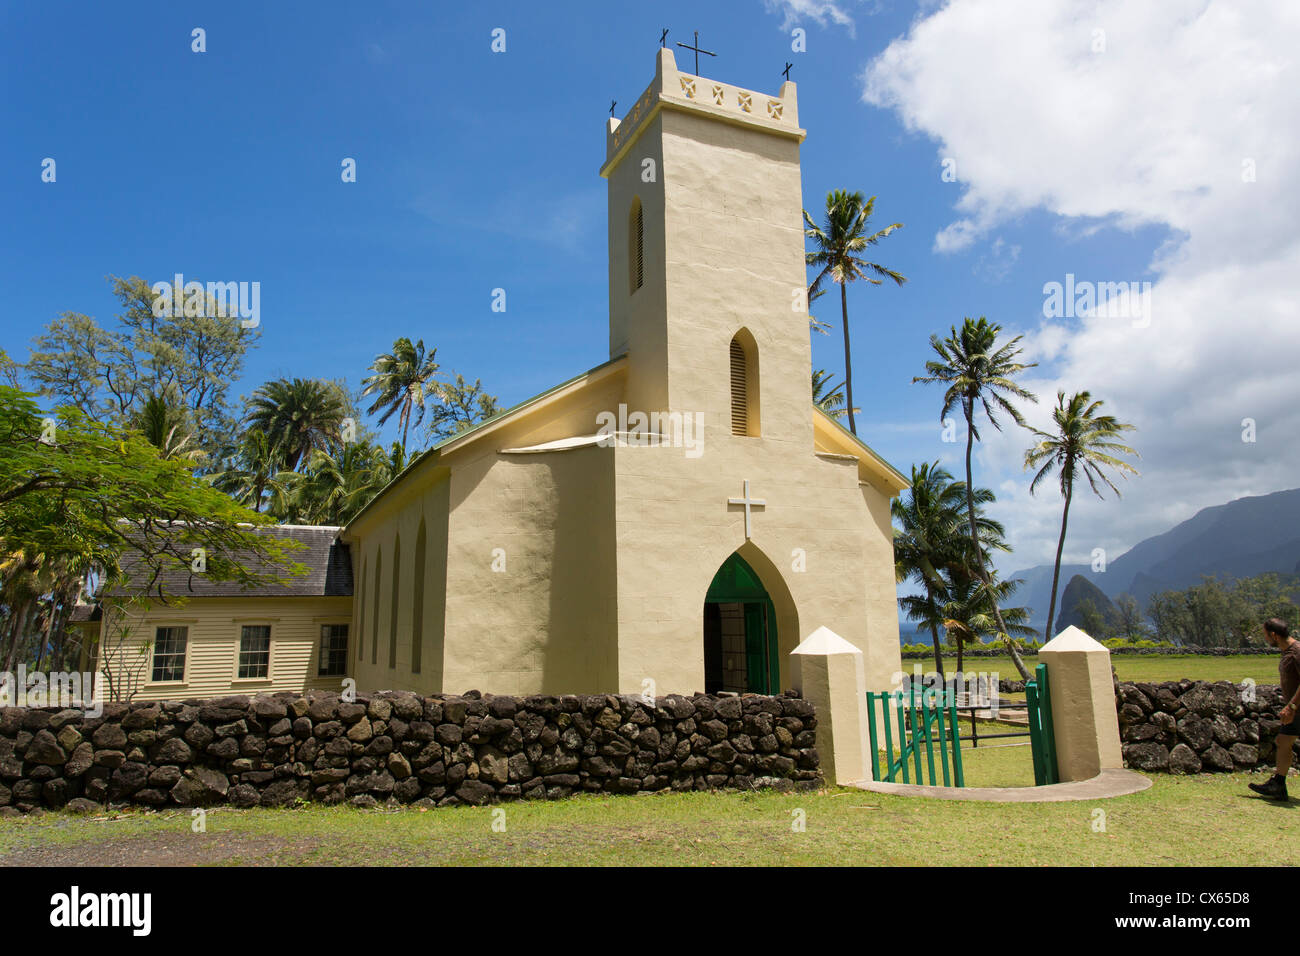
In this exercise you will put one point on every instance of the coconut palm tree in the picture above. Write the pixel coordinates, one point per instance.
(254, 466)
(1084, 443)
(979, 372)
(971, 611)
(298, 416)
(401, 383)
(331, 489)
(837, 254)
(930, 543)
(827, 396)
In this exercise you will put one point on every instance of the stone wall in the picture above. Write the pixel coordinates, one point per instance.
(1197, 726)
(398, 748)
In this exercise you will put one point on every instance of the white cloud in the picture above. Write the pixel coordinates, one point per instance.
(822, 12)
(1158, 128)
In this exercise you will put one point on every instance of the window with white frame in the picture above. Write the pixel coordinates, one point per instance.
(169, 653)
(333, 657)
(254, 651)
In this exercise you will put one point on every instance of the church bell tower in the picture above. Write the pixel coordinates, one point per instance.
(706, 255)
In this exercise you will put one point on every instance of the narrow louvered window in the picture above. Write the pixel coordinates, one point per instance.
(636, 246)
(739, 390)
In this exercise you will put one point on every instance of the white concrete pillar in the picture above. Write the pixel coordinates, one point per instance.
(830, 676)
(1083, 705)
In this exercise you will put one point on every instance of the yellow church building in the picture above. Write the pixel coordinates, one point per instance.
(676, 519)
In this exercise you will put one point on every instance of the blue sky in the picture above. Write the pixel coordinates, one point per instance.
(478, 170)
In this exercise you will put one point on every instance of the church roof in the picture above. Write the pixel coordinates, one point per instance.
(327, 559)
(486, 425)
(835, 434)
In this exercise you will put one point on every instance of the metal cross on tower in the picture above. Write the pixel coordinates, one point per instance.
(786, 71)
(748, 502)
(697, 50)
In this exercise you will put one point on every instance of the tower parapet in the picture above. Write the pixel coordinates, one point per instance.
(673, 89)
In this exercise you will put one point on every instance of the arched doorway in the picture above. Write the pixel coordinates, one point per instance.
(740, 646)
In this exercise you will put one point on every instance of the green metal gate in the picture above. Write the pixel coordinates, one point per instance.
(1038, 698)
(919, 717)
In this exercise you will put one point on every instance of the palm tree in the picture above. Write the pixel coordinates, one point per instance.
(971, 611)
(838, 254)
(1086, 443)
(401, 383)
(254, 466)
(298, 416)
(979, 372)
(164, 424)
(827, 396)
(930, 543)
(331, 489)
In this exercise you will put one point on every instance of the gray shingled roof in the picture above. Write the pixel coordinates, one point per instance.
(328, 560)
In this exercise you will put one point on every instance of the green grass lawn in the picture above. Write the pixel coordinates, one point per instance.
(1206, 820)
(1262, 668)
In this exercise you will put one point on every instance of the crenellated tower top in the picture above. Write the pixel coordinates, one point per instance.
(673, 89)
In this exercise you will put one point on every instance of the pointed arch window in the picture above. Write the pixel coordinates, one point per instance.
(417, 609)
(361, 612)
(743, 365)
(374, 616)
(636, 246)
(392, 618)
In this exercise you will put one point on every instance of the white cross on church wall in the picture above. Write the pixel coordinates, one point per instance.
(748, 502)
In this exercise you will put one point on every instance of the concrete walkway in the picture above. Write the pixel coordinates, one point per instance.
(1108, 783)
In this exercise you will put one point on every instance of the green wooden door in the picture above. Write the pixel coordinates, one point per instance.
(737, 583)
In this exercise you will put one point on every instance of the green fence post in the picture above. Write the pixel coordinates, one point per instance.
(926, 718)
(917, 737)
(1049, 733)
(959, 778)
(943, 742)
(1032, 710)
(871, 729)
(902, 736)
(889, 738)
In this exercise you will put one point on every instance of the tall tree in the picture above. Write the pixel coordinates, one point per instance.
(78, 494)
(979, 372)
(110, 373)
(298, 416)
(837, 255)
(460, 406)
(401, 382)
(1086, 443)
(930, 544)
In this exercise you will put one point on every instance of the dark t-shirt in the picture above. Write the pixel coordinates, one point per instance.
(1288, 670)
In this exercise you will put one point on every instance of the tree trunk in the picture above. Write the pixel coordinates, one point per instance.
(938, 658)
(968, 406)
(1056, 572)
(848, 360)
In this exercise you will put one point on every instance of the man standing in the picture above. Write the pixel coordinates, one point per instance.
(1288, 670)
